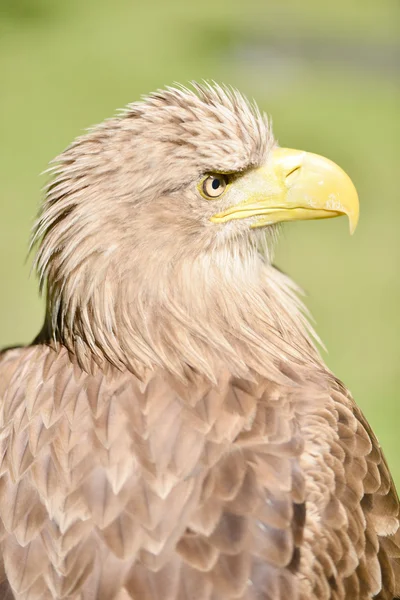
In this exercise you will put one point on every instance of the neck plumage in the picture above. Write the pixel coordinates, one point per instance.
(193, 315)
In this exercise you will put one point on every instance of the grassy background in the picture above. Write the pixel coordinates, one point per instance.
(326, 72)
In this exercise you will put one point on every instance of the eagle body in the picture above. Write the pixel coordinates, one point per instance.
(173, 433)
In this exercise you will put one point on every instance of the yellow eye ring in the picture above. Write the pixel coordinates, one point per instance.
(213, 186)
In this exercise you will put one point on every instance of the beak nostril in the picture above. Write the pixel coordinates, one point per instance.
(291, 174)
(293, 170)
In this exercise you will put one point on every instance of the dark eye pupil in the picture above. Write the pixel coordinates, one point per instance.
(215, 184)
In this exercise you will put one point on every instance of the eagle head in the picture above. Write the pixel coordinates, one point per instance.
(161, 217)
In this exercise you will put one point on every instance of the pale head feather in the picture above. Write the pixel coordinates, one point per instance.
(136, 273)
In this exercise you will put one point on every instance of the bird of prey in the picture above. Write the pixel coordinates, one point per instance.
(173, 432)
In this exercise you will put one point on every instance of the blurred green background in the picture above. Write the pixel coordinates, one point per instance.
(327, 73)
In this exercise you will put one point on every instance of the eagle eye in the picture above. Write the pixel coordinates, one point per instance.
(214, 185)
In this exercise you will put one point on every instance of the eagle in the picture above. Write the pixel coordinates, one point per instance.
(173, 433)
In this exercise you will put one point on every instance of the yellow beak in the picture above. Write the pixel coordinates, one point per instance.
(293, 185)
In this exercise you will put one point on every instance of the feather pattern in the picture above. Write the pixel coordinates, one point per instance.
(281, 504)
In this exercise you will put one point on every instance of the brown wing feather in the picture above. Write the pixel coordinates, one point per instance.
(250, 518)
(119, 489)
(365, 542)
